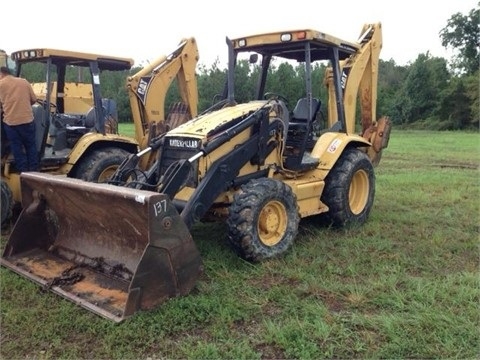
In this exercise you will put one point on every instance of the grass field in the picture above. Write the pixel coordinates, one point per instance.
(126, 129)
(405, 285)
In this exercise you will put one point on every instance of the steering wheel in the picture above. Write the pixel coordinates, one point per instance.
(275, 96)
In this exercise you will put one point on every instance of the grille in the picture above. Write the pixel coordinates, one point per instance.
(179, 148)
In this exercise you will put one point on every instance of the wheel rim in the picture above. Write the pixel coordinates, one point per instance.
(358, 192)
(107, 173)
(272, 223)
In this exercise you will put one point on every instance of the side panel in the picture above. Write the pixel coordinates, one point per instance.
(308, 193)
(309, 186)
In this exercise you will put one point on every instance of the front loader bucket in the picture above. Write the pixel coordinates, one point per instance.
(110, 249)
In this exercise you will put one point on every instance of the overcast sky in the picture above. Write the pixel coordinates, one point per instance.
(144, 30)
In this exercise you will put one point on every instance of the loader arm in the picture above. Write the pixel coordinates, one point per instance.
(147, 90)
(223, 172)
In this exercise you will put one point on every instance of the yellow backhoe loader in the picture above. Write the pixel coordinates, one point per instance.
(260, 166)
(77, 132)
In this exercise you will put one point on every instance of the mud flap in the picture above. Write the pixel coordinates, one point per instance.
(110, 249)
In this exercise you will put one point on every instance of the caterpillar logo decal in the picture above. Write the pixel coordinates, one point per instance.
(191, 144)
(143, 87)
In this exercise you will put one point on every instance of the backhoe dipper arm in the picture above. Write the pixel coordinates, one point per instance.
(359, 73)
(362, 78)
(147, 89)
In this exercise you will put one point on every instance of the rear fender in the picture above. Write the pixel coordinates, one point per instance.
(330, 146)
(95, 140)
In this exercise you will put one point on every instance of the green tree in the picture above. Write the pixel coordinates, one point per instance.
(246, 77)
(210, 83)
(390, 79)
(473, 93)
(463, 35)
(34, 72)
(414, 100)
(286, 81)
(420, 94)
(454, 108)
(318, 78)
(113, 87)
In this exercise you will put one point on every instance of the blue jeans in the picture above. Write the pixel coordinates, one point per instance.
(23, 145)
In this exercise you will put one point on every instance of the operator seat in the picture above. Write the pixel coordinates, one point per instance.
(110, 113)
(42, 125)
(300, 112)
(300, 134)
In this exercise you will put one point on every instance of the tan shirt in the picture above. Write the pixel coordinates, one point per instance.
(16, 99)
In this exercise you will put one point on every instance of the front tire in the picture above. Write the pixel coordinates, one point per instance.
(263, 220)
(7, 202)
(99, 165)
(349, 189)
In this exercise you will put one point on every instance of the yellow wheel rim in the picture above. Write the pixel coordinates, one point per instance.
(358, 192)
(107, 173)
(272, 223)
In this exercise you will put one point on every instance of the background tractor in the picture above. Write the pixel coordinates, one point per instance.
(77, 129)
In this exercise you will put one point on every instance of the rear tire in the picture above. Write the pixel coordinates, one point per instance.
(263, 220)
(349, 189)
(7, 202)
(99, 165)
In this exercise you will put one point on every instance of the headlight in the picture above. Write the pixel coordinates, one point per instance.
(286, 37)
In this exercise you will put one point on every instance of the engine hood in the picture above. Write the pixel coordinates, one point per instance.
(216, 121)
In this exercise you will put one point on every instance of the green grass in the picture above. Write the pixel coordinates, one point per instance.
(126, 129)
(405, 285)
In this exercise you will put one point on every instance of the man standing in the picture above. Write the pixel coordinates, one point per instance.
(16, 100)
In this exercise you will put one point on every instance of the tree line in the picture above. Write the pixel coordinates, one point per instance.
(429, 93)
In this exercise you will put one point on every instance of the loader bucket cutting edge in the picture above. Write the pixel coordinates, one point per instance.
(112, 250)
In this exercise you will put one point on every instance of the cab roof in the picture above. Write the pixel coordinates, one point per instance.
(290, 44)
(61, 57)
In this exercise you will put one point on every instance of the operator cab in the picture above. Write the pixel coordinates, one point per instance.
(70, 104)
(305, 51)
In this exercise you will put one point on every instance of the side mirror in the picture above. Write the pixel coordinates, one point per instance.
(253, 59)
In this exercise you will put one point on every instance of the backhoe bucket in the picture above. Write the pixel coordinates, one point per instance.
(110, 249)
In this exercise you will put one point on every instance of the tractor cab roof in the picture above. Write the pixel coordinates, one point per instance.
(291, 45)
(65, 57)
